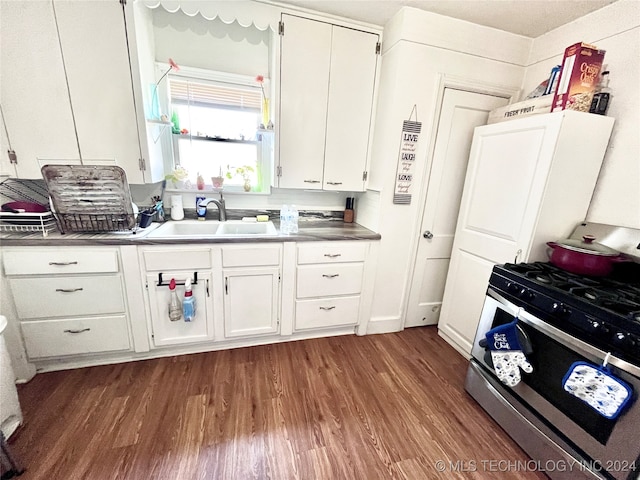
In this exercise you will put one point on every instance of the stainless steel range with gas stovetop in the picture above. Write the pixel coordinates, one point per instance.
(566, 324)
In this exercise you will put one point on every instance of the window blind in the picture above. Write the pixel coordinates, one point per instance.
(210, 94)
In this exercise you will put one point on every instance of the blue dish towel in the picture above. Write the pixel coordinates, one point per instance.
(599, 389)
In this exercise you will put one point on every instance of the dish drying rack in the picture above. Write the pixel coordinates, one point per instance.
(19, 190)
(90, 198)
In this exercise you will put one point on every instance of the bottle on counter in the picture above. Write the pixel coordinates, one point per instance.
(175, 309)
(189, 302)
(602, 97)
(200, 182)
(348, 211)
(177, 212)
(284, 219)
(201, 212)
(294, 215)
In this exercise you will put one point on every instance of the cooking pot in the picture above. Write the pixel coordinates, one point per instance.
(584, 257)
(23, 207)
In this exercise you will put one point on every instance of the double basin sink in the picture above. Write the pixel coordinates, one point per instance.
(213, 229)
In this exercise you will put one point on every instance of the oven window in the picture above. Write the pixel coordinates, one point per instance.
(551, 361)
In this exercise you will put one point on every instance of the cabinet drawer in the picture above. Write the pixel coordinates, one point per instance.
(332, 252)
(326, 312)
(325, 280)
(176, 259)
(51, 338)
(49, 261)
(38, 297)
(256, 256)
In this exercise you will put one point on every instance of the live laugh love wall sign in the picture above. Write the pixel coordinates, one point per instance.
(407, 159)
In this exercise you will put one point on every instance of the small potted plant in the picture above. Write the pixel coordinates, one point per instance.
(177, 177)
(218, 181)
(245, 172)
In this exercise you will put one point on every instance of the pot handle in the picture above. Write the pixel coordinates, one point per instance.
(621, 258)
(552, 244)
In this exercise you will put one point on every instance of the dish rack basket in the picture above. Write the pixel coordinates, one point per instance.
(25, 190)
(90, 198)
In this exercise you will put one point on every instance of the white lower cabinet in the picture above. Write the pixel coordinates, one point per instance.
(69, 301)
(166, 332)
(329, 280)
(179, 263)
(251, 302)
(54, 338)
(251, 278)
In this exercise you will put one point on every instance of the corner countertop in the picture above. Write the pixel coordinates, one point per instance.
(309, 231)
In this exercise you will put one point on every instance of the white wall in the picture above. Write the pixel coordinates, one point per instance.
(616, 29)
(416, 56)
(210, 44)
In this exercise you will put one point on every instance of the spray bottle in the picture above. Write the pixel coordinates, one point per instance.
(189, 302)
(175, 309)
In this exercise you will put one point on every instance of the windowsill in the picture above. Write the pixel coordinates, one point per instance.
(215, 191)
(216, 139)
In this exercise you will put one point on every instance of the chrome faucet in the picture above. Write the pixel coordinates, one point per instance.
(222, 210)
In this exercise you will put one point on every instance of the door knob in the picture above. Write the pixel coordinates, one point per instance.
(427, 234)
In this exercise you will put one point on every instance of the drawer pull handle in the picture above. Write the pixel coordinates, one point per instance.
(334, 183)
(62, 264)
(69, 290)
(327, 308)
(332, 255)
(77, 331)
(311, 181)
(330, 276)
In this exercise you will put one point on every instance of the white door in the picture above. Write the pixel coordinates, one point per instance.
(166, 332)
(251, 302)
(353, 72)
(461, 112)
(505, 181)
(304, 79)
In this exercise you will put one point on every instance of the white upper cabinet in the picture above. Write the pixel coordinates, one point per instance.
(66, 73)
(327, 80)
(33, 91)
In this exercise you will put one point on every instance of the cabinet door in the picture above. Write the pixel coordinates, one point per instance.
(505, 180)
(33, 91)
(353, 70)
(166, 332)
(304, 80)
(251, 302)
(94, 45)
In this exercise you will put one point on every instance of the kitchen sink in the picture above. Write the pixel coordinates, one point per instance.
(244, 228)
(213, 229)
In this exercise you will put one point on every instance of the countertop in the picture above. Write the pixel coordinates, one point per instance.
(309, 231)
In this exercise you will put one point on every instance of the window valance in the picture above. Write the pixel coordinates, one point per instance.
(245, 12)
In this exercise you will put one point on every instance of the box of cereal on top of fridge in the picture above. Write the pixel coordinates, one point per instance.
(578, 77)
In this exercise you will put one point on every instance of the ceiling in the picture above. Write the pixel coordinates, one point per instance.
(530, 18)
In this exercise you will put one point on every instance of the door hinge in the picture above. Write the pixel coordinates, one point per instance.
(365, 174)
(146, 285)
(13, 158)
(378, 48)
(279, 278)
(278, 171)
(281, 28)
(142, 164)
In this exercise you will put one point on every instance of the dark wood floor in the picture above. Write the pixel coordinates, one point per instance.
(373, 407)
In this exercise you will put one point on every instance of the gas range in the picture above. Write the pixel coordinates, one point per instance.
(602, 311)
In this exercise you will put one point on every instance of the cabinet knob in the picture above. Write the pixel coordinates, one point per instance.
(427, 234)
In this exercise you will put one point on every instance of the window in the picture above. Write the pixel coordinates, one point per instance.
(219, 116)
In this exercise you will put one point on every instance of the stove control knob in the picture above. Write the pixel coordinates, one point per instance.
(560, 309)
(622, 339)
(598, 327)
(513, 288)
(526, 294)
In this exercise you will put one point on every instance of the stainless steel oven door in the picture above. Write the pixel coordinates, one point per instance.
(613, 443)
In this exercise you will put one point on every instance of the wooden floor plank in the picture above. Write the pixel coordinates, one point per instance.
(374, 407)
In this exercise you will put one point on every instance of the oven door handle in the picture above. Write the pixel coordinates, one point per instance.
(584, 348)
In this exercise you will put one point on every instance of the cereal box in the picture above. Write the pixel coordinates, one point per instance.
(578, 77)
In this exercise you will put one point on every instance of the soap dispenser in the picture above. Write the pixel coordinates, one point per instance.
(189, 302)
